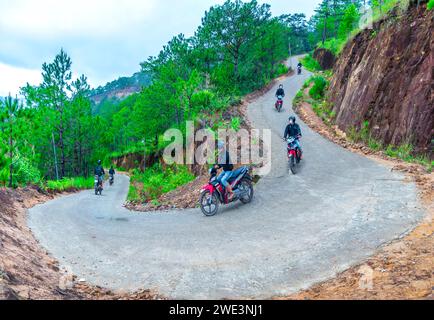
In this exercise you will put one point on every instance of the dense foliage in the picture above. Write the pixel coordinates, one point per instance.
(53, 134)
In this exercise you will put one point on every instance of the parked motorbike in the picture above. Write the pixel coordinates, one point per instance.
(279, 103)
(295, 155)
(98, 185)
(213, 194)
(111, 180)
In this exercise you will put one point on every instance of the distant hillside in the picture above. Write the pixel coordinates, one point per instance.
(120, 88)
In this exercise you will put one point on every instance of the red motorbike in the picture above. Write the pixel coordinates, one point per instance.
(295, 155)
(279, 103)
(214, 194)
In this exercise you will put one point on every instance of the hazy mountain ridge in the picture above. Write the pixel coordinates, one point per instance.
(120, 88)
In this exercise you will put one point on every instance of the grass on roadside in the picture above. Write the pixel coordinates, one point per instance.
(404, 152)
(156, 181)
(66, 184)
(310, 63)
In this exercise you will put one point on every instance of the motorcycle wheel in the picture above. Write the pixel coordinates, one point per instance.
(292, 165)
(298, 157)
(209, 204)
(246, 186)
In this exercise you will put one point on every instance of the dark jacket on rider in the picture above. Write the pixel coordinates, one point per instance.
(280, 92)
(227, 166)
(112, 171)
(292, 131)
(99, 171)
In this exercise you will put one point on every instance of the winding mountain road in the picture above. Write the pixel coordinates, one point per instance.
(297, 231)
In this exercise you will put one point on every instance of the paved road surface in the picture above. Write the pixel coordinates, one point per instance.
(299, 229)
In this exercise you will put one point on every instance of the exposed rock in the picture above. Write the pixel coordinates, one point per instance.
(325, 58)
(6, 293)
(385, 76)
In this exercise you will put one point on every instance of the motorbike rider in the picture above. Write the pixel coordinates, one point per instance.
(112, 172)
(299, 67)
(228, 167)
(293, 131)
(280, 91)
(99, 171)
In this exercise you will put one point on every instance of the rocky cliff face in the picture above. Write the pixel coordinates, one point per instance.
(325, 58)
(385, 76)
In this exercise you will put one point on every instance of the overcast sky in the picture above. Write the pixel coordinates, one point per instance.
(106, 39)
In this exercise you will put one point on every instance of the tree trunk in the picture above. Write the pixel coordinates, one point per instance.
(62, 147)
(11, 155)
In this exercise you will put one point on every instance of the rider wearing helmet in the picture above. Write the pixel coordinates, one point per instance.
(225, 163)
(293, 131)
(280, 91)
(112, 171)
(99, 170)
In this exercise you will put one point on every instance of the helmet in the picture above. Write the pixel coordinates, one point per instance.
(281, 86)
(99, 162)
(293, 119)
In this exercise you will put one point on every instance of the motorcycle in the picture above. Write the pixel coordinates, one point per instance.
(295, 155)
(98, 185)
(111, 179)
(299, 70)
(213, 194)
(279, 103)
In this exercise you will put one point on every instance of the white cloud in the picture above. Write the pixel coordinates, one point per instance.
(105, 38)
(12, 78)
(49, 18)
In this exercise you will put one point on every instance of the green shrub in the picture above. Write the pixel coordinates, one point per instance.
(317, 91)
(236, 124)
(24, 172)
(298, 98)
(365, 135)
(310, 63)
(202, 100)
(403, 152)
(307, 83)
(4, 176)
(281, 70)
(335, 45)
(157, 181)
(374, 144)
(353, 134)
(133, 194)
(66, 184)
(430, 5)
(430, 167)
(323, 110)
